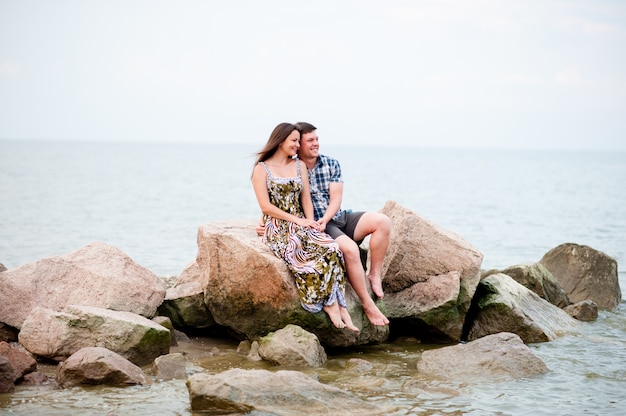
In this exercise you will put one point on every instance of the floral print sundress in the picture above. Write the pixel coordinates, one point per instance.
(313, 256)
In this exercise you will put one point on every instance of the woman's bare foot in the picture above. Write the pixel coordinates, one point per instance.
(374, 314)
(335, 315)
(347, 319)
(377, 285)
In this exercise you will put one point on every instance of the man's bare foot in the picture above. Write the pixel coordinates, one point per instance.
(347, 319)
(335, 315)
(374, 314)
(377, 285)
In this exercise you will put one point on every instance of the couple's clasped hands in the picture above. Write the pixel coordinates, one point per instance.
(319, 225)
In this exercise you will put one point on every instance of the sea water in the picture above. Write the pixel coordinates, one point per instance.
(148, 200)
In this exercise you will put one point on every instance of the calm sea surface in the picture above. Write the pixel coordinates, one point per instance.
(148, 199)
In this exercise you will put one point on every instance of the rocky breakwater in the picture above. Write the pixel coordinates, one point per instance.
(60, 308)
(93, 310)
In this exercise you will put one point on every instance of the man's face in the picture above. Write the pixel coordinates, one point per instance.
(309, 145)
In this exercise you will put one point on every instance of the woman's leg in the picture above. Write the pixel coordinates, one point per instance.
(335, 315)
(347, 319)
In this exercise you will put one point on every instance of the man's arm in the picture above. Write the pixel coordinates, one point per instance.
(336, 194)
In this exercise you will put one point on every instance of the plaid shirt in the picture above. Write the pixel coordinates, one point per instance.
(326, 171)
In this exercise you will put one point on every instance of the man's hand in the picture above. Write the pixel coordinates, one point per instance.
(322, 223)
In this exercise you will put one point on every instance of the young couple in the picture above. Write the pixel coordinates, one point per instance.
(299, 192)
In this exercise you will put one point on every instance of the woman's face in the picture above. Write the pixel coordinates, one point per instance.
(291, 143)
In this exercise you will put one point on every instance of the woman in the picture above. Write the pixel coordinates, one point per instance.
(281, 186)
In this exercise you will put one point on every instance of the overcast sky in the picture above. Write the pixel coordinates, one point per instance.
(539, 74)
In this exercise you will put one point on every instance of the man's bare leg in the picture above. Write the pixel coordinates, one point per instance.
(378, 227)
(356, 277)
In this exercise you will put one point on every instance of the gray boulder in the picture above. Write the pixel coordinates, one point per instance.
(586, 311)
(57, 335)
(538, 279)
(97, 365)
(95, 275)
(429, 275)
(292, 346)
(170, 366)
(496, 357)
(585, 273)
(273, 393)
(503, 305)
(184, 302)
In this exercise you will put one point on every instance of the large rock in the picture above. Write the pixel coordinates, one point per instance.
(95, 275)
(184, 302)
(273, 393)
(587, 310)
(57, 335)
(7, 384)
(22, 362)
(252, 292)
(97, 365)
(538, 279)
(292, 346)
(429, 275)
(497, 357)
(585, 273)
(503, 305)
(170, 366)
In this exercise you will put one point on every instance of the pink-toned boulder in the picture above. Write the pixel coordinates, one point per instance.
(252, 292)
(429, 275)
(97, 365)
(95, 275)
(7, 384)
(21, 361)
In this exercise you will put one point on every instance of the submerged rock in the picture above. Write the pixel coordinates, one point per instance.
(97, 365)
(587, 310)
(292, 346)
(497, 357)
(276, 393)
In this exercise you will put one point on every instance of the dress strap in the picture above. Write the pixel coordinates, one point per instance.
(267, 170)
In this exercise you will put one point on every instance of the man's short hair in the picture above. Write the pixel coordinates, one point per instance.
(303, 127)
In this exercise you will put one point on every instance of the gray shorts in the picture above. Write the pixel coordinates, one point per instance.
(344, 225)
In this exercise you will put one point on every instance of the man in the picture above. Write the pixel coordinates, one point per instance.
(347, 228)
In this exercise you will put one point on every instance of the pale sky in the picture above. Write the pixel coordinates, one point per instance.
(537, 73)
